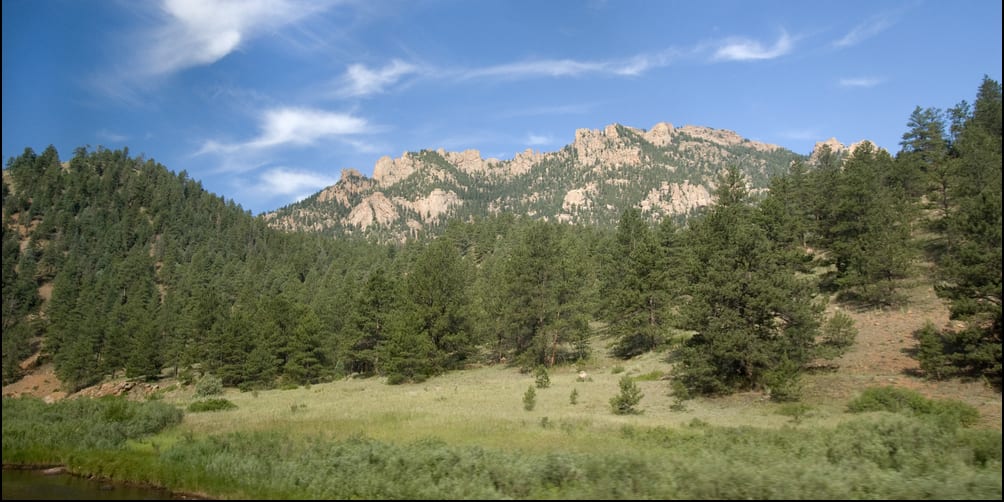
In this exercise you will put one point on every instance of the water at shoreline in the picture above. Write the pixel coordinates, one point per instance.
(34, 485)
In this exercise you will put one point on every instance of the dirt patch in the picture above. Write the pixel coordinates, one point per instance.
(883, 356)
(40, 381)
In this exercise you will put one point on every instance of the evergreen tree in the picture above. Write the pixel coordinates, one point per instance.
(636, 289)
(971, 267)
(871, 239)
(437, 287)
(752, 315)
(544, 280)
(371, 318)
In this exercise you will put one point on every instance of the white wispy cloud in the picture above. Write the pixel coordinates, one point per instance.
(869, 28)
(301, 126)
(201, 32)
(859, 82)
(626, 67)
(744, 49)
(538, 139)
(362, 81)
(293, 126)
(284, 181)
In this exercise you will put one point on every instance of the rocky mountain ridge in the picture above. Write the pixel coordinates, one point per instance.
(665, 171)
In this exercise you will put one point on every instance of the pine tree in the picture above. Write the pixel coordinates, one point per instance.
(544, 278)
(871, 236)
(971, 267)
(751, 313)
(637, 288)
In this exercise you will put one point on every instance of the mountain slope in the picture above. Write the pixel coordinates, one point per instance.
(665, 171)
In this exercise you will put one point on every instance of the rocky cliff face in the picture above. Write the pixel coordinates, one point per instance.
(665, 171)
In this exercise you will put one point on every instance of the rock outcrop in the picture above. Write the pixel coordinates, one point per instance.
(665, 171)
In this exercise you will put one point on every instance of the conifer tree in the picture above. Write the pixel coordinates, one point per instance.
(871, 239)
(637, 288)
(752, 315)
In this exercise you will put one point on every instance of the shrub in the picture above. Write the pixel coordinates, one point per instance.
(573, 398)
(542, 379)
(209, 385)
(529, 399)
(947, 412)
(625, 402)
(796, 411)
(839, 334)
(211, 405)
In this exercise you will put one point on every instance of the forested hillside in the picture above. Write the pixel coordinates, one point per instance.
(114, 264)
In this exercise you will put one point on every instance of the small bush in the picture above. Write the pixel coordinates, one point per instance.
(209, 385)
(542, 379)
(573, 398)
(934, 362)
(529, 399)
(625, 402)
(948, 412)
(839, 334)
(211, 405)
(796, 411)
(784, 382)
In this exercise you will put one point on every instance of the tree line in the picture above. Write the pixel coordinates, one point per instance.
(145, 273)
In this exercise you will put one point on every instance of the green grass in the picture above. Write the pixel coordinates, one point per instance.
(466, 434)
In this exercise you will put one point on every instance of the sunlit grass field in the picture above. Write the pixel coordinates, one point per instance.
(467, 434)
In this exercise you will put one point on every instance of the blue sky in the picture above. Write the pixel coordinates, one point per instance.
(267, 101)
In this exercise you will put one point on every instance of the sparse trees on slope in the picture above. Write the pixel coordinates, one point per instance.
(971, 267)
(871, 239)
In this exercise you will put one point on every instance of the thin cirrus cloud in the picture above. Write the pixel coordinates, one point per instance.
(743, 49)
(873, 26)
(360, 81)
(859, 82)
(628, 67)
(291, 126)
(201, 32)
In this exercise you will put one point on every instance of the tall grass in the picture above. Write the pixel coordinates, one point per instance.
(887, 457)
(30, 425)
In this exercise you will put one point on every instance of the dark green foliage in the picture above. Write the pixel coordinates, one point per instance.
(971, 265)
(949, 413)
(211, 405)
(934, 357)
(541, 307)
(638, 285)
(573, 398)
(541, 379)
(870, 236)
(756, 322)
(80, 423)
(433, 332)
(529, 399)
(629, 397)
(838, 335)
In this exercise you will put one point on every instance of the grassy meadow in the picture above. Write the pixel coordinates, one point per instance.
(467, 434)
